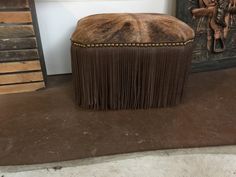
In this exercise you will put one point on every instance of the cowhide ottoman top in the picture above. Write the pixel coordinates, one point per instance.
(131, 29)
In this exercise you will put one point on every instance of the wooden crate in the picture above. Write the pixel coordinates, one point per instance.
(22, 67)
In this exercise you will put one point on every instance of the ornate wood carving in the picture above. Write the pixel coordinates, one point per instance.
(215, 25)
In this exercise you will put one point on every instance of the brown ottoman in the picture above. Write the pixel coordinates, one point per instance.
(130, 61)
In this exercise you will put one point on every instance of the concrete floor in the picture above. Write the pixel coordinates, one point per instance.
(54, 129)
(203, 162)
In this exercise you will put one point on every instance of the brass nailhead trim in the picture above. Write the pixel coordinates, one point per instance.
(166, 44)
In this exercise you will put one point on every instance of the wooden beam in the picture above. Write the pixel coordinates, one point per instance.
(14, 4)
(19, 66)
(16, 31)
(19, 88)
(37, 33)
(18, 43)
(18, 55)
(15, 17)
(20, 78)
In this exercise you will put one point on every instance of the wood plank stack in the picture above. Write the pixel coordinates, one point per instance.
(22, 67)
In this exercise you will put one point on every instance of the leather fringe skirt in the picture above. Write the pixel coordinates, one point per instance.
(113, 78)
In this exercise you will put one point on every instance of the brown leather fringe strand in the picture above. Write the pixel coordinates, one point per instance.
(130, 77)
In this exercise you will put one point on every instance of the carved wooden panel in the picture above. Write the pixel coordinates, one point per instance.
(198, 16)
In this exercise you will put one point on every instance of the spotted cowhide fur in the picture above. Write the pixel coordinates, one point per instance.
(131, 28)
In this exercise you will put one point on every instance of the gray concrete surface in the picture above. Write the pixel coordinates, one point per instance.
(202, 162)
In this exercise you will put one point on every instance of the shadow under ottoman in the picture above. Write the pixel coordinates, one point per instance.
(130, 61)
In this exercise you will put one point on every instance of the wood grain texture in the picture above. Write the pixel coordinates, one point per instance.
(18, 55)
(16, 31)
(18, 43)
(11, 67)
(21, 58)
(19, 88)
(14, 4)
(15, 17)
(20, 78)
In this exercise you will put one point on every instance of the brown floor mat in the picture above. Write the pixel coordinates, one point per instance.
(47, 126)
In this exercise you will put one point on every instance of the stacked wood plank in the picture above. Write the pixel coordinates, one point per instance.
(22, 68)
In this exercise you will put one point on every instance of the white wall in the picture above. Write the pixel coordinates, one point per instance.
(58, 18)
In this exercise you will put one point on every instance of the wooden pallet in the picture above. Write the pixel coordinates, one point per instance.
(22, 67)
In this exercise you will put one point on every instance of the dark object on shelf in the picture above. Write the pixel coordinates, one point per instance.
(22, 67)
(130, 61)
(215, 27)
